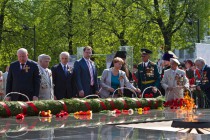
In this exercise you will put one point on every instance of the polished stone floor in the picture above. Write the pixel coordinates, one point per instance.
(99, 126)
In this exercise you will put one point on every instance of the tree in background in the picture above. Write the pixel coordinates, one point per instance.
(64, 25)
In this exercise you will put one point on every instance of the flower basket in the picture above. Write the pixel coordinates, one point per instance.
(122, 92)
(143, 93)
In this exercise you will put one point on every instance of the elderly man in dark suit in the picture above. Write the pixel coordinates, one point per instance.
(86, 74)
(62, 78)
(23, 77)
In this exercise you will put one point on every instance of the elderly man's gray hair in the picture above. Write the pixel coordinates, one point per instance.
(43, 57)
(64, 53)
(200, 60)
(22, 50)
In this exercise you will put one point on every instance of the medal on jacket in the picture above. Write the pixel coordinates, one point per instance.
(150, 71)
(179, 79)
(204, 78)
(26, 68)
(70, 69)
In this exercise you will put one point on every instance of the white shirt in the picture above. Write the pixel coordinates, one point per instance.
(21, 66)
(64, 65)
(146, 63)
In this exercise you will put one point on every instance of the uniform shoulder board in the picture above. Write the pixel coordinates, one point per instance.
(140, 63)
(152, 63)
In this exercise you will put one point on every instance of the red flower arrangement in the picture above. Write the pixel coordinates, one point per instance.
(45, 113)
(149, 95)
(146, 108)
(186, 103)
(20, 116)
(62, 114)
(174, 103)
(83, 113)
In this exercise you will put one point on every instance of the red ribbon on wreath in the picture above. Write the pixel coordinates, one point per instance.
(24, 107)
(125, 104)
(64, 105)
(33, 106)
(112, 104)
(103, 105)
(87, 105)
(6, 108)
(149, 103)
(156, 104)
(138, 104)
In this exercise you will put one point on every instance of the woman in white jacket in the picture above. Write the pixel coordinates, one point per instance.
(114, 78)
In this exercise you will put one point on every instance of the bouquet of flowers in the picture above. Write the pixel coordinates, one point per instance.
(186, 103)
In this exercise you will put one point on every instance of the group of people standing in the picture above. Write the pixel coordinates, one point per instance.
(193, 76)
(37, 81)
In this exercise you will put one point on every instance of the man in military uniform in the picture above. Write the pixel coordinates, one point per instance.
(148, 74)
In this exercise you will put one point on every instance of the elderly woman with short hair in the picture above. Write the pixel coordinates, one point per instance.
(114, 78)
(46, 85)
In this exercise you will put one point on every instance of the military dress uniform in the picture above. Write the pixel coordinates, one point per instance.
(148, 76)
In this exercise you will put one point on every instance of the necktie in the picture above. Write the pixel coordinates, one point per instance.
(22, 66)
(65, 70)
(144, 66)
(91, 73)
(47, 73)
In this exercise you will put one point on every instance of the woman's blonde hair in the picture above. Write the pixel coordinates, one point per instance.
(118, 59)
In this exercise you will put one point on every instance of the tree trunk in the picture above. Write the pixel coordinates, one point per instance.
(123, 41)
(90, 34)
(3, 6)
(70, 23)
(167, 41)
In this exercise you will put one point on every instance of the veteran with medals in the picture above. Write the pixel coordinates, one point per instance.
(166, 65)
(204, 84)
(174, 81)
(46, 85)
(23, 77)
(148, 74)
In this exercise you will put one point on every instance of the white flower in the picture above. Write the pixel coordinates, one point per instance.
(130, 111)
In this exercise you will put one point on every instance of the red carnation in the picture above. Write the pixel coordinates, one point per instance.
(20, 116)
(150, 95)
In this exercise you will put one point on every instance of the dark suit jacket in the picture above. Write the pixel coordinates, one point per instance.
(205, 86)
(62, 83)
(82, 76)
(22, 81)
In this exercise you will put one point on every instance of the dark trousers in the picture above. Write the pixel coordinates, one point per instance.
(92, 90)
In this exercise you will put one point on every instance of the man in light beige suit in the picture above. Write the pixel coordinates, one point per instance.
(46, 85)
(174, 81)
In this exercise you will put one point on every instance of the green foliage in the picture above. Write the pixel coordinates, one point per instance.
(103, 24)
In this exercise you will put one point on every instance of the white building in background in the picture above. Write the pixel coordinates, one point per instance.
(201, 50)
